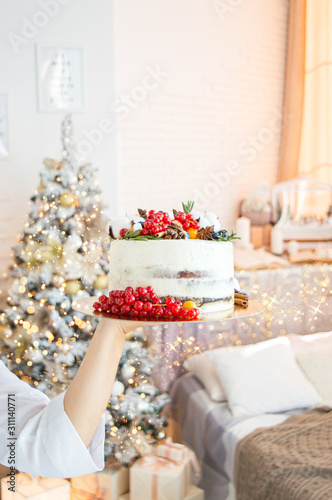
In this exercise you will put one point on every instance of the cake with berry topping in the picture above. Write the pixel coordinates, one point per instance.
(184, 255)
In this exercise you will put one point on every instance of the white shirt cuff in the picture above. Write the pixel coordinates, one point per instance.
(65, 447)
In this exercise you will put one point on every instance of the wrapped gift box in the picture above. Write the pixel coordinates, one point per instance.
(156, 478)
(194, 493)
(174, 451)
(108, 484)
(35, 488)
(180, 452)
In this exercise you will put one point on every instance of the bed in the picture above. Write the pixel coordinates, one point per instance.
(213, 432)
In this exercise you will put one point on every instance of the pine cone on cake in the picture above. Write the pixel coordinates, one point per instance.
(174, 233)
(205, 233)
(175, 224)
(142, 213)
(170, 234)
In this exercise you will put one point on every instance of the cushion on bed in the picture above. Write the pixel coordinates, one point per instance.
(316, 364)
(262, 378)
(201, 366)
(303, 342)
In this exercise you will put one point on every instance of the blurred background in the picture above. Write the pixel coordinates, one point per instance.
(114, 105)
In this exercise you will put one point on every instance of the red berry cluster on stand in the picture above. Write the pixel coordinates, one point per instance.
(143, 304)
(187, 221)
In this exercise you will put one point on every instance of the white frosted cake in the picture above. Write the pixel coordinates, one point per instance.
(184, 255)
(197, 270)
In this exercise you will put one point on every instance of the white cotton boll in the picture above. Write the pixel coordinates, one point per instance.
(137, 227)
(119, 223)
(210, 219)
(170, 214)
(197, 214)
(213, 221)
(135, 218)
(210, 215)
(204, 222)
(118, 388)
(217, 226)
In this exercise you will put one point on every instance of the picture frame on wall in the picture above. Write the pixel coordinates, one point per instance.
(4, 126)
(60, 78)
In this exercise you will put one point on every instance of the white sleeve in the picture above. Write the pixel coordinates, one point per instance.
(47, 443)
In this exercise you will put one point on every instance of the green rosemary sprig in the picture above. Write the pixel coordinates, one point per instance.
(135, 235)
(187, 207)
(230, 237)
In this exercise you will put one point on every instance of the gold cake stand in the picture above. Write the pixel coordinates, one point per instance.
(85, 306)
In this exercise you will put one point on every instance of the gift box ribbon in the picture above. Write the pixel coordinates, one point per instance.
(170, 445)
(158, 464)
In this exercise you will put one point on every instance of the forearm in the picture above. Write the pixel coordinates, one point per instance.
(4, 471)
(88, 394)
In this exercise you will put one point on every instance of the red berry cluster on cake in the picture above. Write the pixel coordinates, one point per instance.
(173, 224)
(184, 256)
(157, 223)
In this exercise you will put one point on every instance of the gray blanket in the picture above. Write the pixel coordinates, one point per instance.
(290, 461)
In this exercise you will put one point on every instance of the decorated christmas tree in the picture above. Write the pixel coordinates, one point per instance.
(61, 256)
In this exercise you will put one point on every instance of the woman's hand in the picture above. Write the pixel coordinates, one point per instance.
(128, 326)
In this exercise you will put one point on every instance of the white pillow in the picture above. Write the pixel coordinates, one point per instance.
(201, 366)
(262, 378)
(316, 363)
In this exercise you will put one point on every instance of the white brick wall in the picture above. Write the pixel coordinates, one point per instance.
(7, 233)
(224, 86)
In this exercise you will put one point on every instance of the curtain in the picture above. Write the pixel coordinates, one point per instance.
(306, 146)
